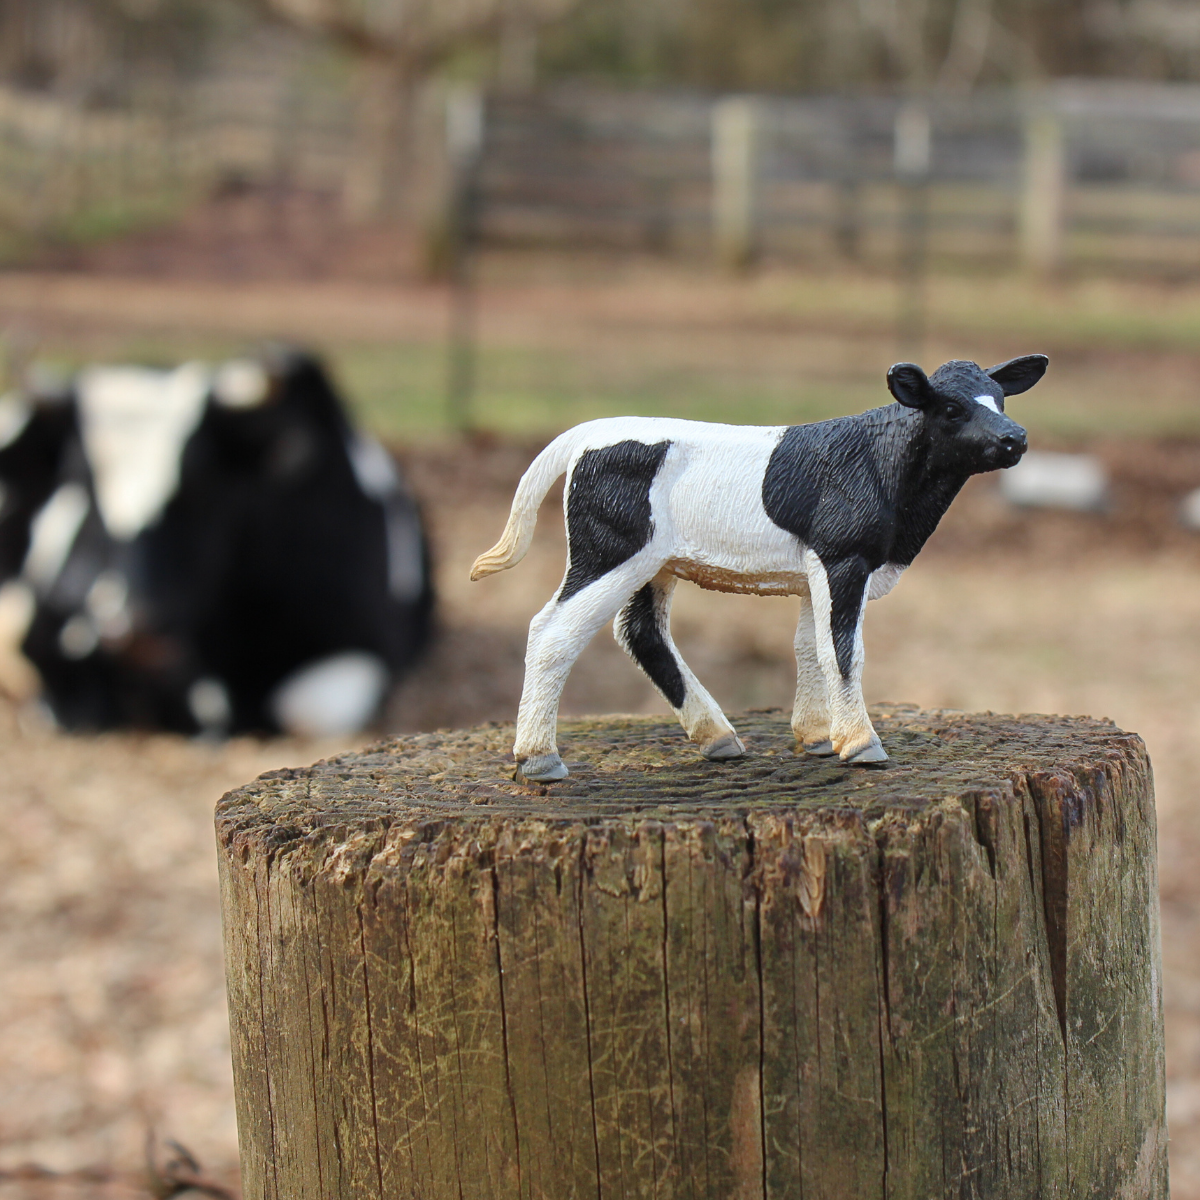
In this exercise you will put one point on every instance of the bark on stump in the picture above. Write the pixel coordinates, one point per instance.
(666, 977)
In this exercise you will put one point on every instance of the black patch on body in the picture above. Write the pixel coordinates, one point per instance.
(608, 510)
(867, 486)
(642, 631)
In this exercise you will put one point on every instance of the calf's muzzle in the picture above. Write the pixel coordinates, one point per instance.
(1009, 442)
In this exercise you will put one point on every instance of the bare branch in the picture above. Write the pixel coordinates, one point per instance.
(968, 46)
(421, 35)
(350, 35)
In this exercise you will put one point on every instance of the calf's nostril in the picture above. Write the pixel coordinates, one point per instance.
(1012, 444)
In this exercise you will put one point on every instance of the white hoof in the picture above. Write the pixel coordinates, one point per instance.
(874, 753)
(542, 768)
(729, 746)
(819, 749)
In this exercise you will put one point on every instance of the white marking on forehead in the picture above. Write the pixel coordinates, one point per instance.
(135, 422)
(987, 402)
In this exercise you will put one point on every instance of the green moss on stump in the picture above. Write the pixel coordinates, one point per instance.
(773, 977)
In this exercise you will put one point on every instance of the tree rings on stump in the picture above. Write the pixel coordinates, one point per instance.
(664, 977)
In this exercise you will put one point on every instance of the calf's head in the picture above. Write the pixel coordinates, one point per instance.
(963, 410)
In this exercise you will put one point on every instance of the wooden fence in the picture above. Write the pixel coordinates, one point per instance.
(1082, 175)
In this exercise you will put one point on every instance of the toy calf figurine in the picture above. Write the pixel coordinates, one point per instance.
(831, 512)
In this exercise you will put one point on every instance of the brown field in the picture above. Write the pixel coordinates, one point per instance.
(112, 1016)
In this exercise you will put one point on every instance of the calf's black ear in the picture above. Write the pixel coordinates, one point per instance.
(910, 385)
(1019, 374)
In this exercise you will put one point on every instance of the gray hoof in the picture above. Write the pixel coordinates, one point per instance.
(729, 746)
(819, 749)
(874, 753)
(542, 768)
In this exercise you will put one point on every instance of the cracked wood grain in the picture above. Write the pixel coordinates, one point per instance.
(679, 980)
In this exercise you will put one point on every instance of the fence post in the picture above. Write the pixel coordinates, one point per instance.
(735, 138)
(466, 118)
(766, 978)
(912, 158)
(1042, 222)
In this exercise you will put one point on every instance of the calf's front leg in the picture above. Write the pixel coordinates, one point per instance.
(839, 598)
(810, 713)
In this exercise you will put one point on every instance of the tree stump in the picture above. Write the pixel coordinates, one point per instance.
(665, 977)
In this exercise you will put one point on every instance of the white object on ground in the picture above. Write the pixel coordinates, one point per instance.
(333, 696)
(1189, 511)
(1044, 480)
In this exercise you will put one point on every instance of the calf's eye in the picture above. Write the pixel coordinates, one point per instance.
(954, 411)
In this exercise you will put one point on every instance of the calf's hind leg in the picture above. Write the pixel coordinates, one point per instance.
(557, 637)
(643, 630)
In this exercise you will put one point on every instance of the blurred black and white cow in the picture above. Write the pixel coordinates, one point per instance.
(831, 512)
(202, 550)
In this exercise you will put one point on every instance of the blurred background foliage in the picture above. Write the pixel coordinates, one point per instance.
(791, 45)
(98, 48)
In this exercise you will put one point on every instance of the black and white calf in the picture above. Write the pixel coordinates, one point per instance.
(831, 512)
(204, 550)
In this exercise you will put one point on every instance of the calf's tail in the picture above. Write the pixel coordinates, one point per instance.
(517, 537)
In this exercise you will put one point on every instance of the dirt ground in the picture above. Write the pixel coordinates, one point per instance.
(112, 1012)
(112, 1017)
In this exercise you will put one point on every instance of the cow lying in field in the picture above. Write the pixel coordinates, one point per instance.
(204, 551)
(831, 512)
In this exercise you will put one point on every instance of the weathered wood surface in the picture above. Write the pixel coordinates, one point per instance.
(664, 977)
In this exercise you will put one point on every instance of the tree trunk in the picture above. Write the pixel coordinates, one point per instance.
(664, 977)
